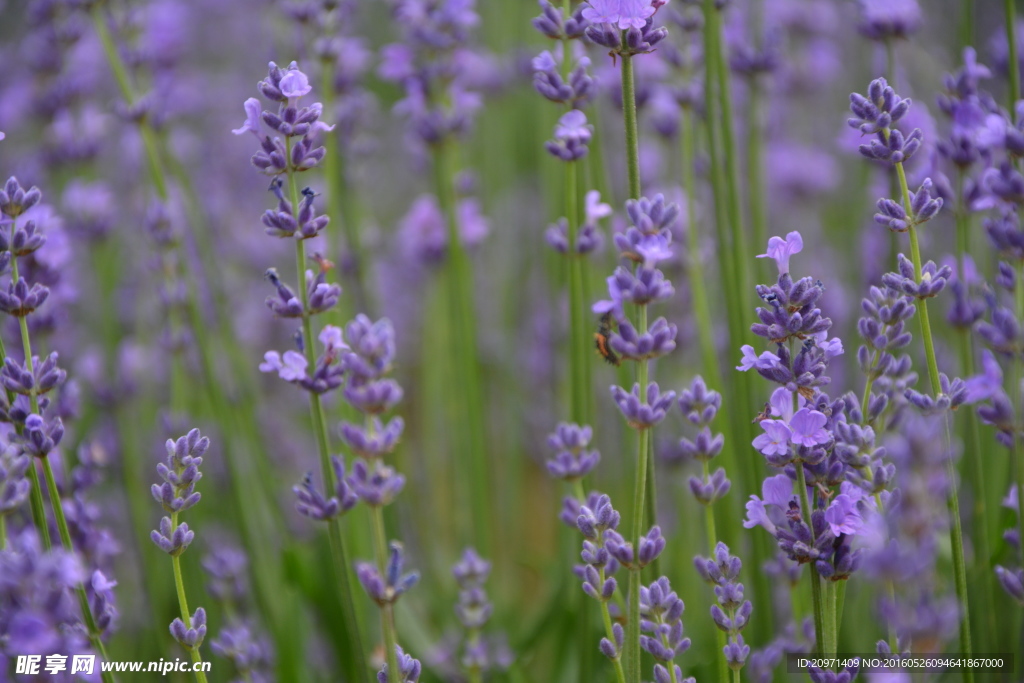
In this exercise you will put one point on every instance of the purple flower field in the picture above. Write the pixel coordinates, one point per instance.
(524, 341)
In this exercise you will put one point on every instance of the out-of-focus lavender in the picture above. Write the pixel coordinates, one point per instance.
(394, 352)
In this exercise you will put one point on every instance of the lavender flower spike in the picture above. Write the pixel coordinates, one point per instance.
(386, 589)
(573, 459)
(312, 503)
(639, 414)
(409, 669)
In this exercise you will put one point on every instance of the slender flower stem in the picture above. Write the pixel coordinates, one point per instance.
(319, 422)
(829, 612)
(953, 501)
(633, 623)
(387, 613)
(819, 614)
(579, 365)
(973, 440)
(967, 23)
(186, 615)
(632, 132)
(56, 502)
(1010, 8)
(695, 265)
(339, 198)
(606, 616)
(717, 174)
(709, 521)
(243, 483)
(36, 502)
(473, 448)
(755, 165)
(1016, 374)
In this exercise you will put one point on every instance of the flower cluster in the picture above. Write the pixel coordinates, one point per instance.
(597, 520)
(732, 612)
(646, 242)
(24, 404)
(826, 541)
(371, 350)
(573, 458)
(36, 598)
(700, 406)
(384, 588)
(792, 316)
(474, 611)
(625, 28)
(588, 237)
(875, 115)
(433, 64)
(661, 613)
(295, 147)
(180, 474)
(883, 331)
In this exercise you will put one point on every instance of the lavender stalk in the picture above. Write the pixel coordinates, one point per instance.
(36, 503)
(700, 406)
(297, 219)
(875, 114)
(628, 31)
(372, 393)
(1010, 9)
(176, 494)
(39, 435)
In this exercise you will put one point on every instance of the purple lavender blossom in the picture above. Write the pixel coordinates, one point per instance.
(474, 610)
(875, 115)
(624, 26)
(298, 151)
(313, 504)
(387, 588)
(14, 486)
(409, 669)
(884, 20)
(572, 135)
(781, 250)
(573, 459)
(661, 613)
(643, 413)
(732, 613)
(293, 367)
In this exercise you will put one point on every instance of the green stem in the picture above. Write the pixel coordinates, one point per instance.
(319, 423)
(1016, 375)
(973, 440)
(709, 521)
(473, 446)
(1011, 42)
(633, 623)
(387, 614)
(51, 486)
(953, 500)
(579, 361)
(339, 199)
(829, 619)
(632, 132)
(186, 615)
(755, 166)
(38, 506)
(695, 266)
(606, 617)
(819, 614)
(967, 23)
